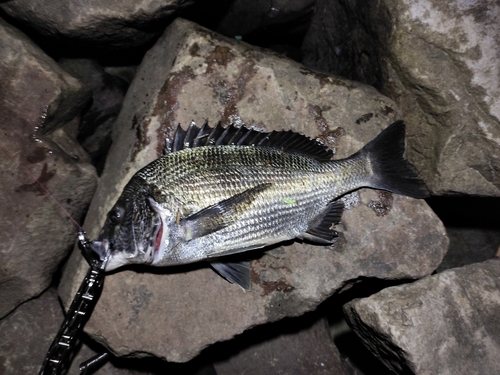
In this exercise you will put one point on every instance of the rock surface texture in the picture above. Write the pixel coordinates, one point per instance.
(308, 351)
(194, 74)
(107, 96)
(26, 334)
(439, 61)
(122, 24)
(39, 108)
(443, 324)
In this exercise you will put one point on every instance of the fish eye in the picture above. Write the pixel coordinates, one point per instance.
(114, 216)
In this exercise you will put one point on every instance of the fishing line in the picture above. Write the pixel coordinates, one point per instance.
(26, 170)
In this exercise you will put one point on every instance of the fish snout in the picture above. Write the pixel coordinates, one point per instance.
(100, 249)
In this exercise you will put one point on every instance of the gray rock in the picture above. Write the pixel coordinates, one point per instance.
(105, 23)
(443, 57)
(443, 324)
(39, 107)
(194, 74)
(302, 350)
(439, 61)
(107, 96)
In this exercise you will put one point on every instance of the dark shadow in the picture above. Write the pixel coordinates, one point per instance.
(467, 211)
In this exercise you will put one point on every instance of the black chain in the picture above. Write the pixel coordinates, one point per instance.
(79, 312)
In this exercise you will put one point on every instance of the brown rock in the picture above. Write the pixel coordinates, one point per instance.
(443, 324)
(194, 74)
(39, 105)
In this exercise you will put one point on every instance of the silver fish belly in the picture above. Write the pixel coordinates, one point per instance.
(225, 191)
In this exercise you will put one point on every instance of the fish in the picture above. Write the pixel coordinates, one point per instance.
(221, 191)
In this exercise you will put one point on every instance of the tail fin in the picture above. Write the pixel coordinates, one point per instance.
(391, 171)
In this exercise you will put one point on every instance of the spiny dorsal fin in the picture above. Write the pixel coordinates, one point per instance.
(287, 141)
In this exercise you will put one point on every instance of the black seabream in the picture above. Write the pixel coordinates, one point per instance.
(221, 191)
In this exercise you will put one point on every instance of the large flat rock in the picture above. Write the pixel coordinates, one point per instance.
(194, 74)
(443, 324)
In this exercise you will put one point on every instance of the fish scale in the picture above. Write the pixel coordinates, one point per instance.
(221, 191)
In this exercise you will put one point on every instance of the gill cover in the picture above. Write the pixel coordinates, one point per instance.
(128, 231)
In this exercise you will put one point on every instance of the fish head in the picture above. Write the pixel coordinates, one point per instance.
(132, 229)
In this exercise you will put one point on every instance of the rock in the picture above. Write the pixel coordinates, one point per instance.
(470, 245)
(26, 334)
(337, 43)
(243, 17)
(300, 350)
(97, 122)
(103, 23)
(125, 73)
(39, 108)
(438, 61)
(471, 225)
(194, 74)
(443, 324)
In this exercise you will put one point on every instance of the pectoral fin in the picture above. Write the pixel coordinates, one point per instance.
(219, 215)
(236, 273)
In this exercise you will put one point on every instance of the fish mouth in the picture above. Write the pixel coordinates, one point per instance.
(101, 249)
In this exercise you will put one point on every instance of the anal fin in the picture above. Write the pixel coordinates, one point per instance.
(319, 229)
(234, 272)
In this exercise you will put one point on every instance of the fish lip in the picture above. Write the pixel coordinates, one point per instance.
(101, 249)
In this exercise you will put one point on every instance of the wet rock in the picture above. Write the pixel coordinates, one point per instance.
(104, 23)
(438, 61)
(301, 350)
(107, 96)
(39, 108)
(195, 74)
(443, 324)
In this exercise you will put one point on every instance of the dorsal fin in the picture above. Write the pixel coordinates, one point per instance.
(287, 141)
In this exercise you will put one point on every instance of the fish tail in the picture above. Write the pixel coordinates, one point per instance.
(390, 170)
